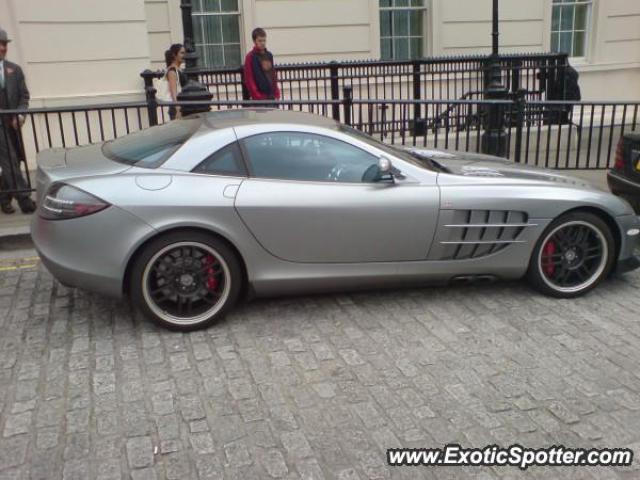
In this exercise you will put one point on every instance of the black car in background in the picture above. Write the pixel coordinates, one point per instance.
(624, 177)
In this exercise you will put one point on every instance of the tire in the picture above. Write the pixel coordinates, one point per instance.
(562, 267)
(185, 281)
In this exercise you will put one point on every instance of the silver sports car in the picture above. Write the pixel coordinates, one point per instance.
(187, 217)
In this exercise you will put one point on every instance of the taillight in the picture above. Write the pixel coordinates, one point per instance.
(619, 163)
(63, 201)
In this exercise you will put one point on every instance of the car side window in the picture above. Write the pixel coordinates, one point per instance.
(306, 157)
(226, 161)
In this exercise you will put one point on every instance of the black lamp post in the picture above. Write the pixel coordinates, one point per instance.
(191, 58)
(494, 137)
(193, 91)
(495, 33)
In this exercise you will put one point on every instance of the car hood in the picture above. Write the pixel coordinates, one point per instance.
(473, 165)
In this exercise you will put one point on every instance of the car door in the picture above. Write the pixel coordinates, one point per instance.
(305, 201)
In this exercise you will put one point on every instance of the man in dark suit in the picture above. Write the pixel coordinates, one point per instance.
(13, 95)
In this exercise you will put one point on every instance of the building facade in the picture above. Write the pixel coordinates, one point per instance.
(91, 51)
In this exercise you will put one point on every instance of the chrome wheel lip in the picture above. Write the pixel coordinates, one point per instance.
(186, 321)
(601, 267)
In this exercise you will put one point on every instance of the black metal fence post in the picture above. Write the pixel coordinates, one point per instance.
(347, 102)
(246, 95)
(419, 125)
(150, 94)
(520, 104)
(335, 88)
(562, 63)
(516, 67)
(494, 138)
(191, 58)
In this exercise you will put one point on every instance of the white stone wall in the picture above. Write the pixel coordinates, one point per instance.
(462, 27)
(164, 26)
(77, 51)
(83, 51)
(313, 30)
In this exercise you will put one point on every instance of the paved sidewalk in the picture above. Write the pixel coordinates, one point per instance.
(15, 224)
(313, 387)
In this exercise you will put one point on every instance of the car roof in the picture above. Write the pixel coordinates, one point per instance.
(252, 116)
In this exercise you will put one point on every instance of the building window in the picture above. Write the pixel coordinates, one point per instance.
(402, 29)
(569, 26)
(216, 32)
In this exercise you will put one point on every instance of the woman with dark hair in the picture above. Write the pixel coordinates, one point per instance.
(175, 76)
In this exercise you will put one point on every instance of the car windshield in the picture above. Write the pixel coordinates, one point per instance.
(406, 155)
(151, 147)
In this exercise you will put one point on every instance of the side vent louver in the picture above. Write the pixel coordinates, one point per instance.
(469, 234)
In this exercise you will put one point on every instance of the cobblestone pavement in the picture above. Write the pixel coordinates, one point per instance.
(313, 387)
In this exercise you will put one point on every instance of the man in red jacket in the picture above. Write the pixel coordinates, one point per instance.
(259, 74)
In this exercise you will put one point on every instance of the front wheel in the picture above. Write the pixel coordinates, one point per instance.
(575, 253)
(185, 280)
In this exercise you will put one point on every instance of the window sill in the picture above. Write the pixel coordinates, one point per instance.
(578, 61)
(581, 65)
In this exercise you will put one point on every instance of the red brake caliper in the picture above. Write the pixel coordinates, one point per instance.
(212, 282)
(547, 258)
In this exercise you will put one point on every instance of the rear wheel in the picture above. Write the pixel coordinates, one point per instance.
(185, 280)
(576, 252)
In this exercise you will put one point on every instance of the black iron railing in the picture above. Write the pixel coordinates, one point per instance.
(64, 127)
(540, 75)
(443, 78)
(555, 134)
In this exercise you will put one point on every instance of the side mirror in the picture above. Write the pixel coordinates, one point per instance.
(384, 166)
(383, 171)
